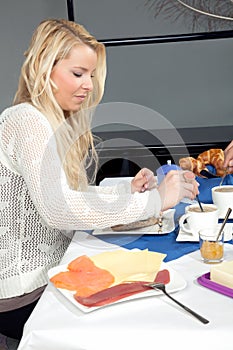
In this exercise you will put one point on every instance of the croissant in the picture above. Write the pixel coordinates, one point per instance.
(214, 157)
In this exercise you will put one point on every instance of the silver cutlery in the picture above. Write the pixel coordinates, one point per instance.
(224, 175)
(199, 202)
(224, 223)
(161, 287)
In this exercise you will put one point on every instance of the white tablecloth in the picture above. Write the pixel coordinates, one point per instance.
(146, 323)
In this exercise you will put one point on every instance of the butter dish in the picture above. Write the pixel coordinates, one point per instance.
(205, 281)
(223, 274)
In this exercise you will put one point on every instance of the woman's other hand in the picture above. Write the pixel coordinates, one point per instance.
(143, 180)
(228, 157)
(175, 186)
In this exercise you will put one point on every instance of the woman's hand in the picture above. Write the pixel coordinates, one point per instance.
(143, 180)
(228, 157)
(175, 186)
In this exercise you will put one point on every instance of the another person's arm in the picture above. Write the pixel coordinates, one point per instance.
(228, 157)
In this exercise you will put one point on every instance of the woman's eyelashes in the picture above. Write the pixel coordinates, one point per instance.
(79, 75)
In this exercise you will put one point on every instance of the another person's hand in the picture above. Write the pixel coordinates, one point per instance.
(143, 180)
(175, 186)
(228, 157)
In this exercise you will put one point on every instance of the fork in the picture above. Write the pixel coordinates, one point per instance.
(161, 286)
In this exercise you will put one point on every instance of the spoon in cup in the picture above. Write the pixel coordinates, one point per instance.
(224, 223)
(199, 202)
(224, 175)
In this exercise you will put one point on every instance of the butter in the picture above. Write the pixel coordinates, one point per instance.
(141, 265)
(223, 274)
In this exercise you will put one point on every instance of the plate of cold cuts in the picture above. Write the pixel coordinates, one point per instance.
(107, 292)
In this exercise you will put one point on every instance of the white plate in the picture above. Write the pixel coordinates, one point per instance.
(112, 181)
(87, 240)
(168, 226)
(104, 242)
(176, 283)
(188, 237)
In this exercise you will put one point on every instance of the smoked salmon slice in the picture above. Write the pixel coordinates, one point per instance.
(83, 262)
(84, 277)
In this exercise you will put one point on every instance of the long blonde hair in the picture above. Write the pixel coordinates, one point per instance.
(52, 41)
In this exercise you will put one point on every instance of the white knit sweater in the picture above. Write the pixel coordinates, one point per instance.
(38, 211)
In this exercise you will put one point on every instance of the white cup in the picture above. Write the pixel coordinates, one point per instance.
(223, 198)
(194, 219)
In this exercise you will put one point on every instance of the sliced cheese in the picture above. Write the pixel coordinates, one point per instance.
(223, 274)
(125, 265)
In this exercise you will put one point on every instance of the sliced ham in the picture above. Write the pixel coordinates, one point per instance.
(120, 291)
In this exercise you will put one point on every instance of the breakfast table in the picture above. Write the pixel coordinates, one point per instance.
(150, 322)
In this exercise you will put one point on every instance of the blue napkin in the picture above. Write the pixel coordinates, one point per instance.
(206, 184)
(165, 244)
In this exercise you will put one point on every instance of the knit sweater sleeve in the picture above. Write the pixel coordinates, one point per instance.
(29, 144)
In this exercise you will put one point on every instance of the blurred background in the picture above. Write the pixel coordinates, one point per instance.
(169, 88)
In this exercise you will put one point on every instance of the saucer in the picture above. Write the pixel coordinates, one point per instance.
(188, 237)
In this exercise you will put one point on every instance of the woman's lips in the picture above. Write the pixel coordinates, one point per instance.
(80, 97)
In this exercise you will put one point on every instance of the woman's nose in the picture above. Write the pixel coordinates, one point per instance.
(88, 84)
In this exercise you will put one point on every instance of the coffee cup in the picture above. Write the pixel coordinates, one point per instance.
(195, 219)
(223, 198)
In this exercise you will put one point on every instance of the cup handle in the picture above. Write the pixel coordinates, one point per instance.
(183, 226)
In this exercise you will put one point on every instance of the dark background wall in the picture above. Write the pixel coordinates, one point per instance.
(189, 85)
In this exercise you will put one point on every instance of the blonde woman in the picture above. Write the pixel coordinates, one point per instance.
(46, 145)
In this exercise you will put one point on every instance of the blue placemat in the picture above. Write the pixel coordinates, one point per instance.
(164, 244)
(158, 243)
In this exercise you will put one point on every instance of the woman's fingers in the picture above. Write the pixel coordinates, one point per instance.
(189, 178)
(143, 180)
(150, 180)
(176, 186)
